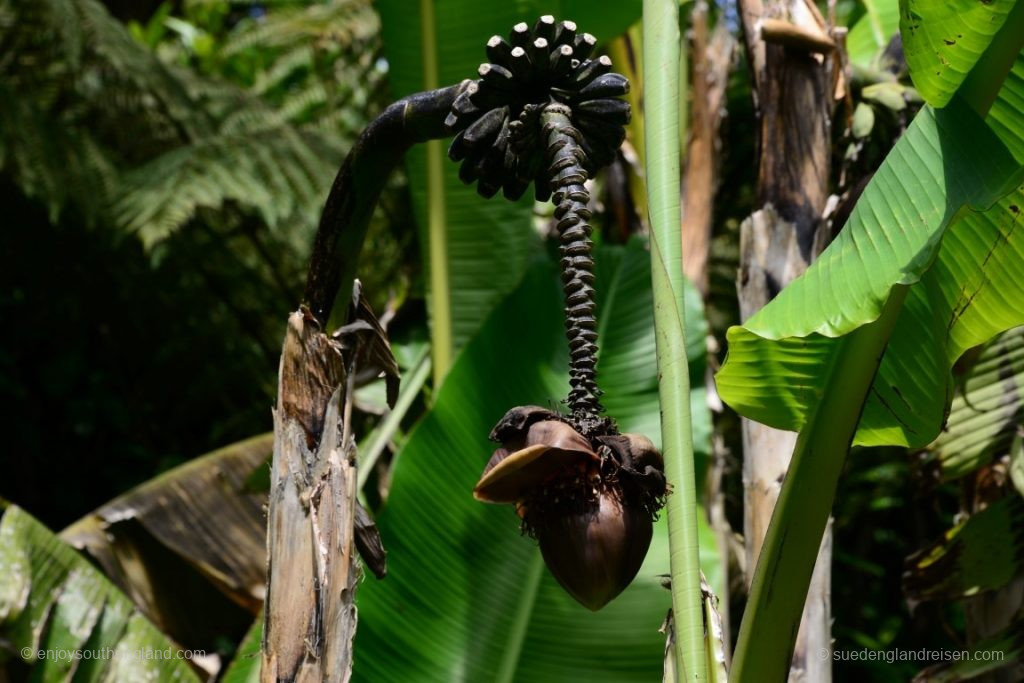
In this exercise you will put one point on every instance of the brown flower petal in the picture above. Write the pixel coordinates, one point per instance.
(589, 505)
(535, 445)
(639, 458)
(595, 554)
(532, 452)
(516, 422)
(523, 470)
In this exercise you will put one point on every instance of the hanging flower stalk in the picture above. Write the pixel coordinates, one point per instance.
(544, 112)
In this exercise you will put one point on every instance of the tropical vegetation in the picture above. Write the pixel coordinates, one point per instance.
(163, 170)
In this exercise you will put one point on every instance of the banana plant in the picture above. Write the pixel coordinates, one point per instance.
(976, 562)
(545, 111)
(859, 349)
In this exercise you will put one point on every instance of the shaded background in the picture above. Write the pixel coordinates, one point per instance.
(159, 197)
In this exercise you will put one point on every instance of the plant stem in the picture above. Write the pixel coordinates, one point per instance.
(437, 227)
(564, 158)
(779, 588)
(791, 544)
(661, 119)
(356, 188)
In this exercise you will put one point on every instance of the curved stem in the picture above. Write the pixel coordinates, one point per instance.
(661, 120)
(565, 169)
(356, 188)
(768, 631)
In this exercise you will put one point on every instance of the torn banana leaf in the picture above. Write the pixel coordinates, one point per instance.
(53, 599)
(985, 415)
(197, 533)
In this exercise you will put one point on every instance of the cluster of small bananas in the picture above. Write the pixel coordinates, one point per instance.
(496, 118)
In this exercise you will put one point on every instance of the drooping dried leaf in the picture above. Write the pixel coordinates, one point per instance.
(981, 554)
(366, 345)
(195, 532)
(368, 542)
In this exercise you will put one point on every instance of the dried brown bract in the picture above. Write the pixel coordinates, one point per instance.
(590, 503)
(544, 112)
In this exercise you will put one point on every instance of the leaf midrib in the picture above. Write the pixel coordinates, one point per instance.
(521, 622)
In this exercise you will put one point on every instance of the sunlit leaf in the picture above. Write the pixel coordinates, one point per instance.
(943, 39)
(911, 226)
(467, 597)
(52, 598)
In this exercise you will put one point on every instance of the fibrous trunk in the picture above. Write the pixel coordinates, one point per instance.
(314, 521)
(793, 94)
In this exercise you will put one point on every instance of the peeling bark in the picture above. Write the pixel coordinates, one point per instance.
(311, 568)
(794, 86)
(314, 522)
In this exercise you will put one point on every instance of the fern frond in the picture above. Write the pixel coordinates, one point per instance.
(342, 22)
(301, 57)
(279, 173)
(100, 122)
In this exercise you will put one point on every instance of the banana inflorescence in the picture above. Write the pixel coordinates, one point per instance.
(544, 112)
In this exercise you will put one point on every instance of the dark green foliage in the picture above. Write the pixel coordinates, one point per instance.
(212, 152)
(111, 368)
(160, 184)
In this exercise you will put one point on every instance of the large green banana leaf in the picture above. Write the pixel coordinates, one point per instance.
(942, 214)
(245, 666)
(984, 417)
(489, 241)
(53, 600)
(467, 597)
(943, 39)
